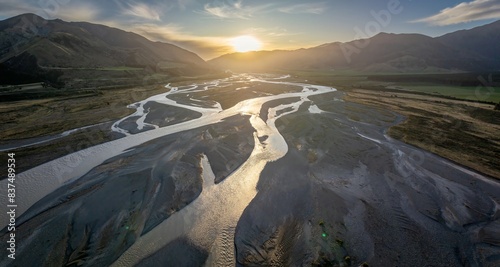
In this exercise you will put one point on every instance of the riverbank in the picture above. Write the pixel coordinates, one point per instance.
(321, 184)
(464, 132)
(50, 117)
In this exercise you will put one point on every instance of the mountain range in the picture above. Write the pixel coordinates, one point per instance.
(466, 50)
(34, 49)
(31, 46)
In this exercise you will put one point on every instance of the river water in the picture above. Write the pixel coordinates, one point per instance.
(38, 182)
(348, 158)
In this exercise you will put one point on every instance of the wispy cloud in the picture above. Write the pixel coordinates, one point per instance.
(166, 33)
(9, 8)
(205, 46)
(142, 11)
(465, 12)
(233, 10)
(182, 4)
(309, 8)
(271, 32)
(273, 38)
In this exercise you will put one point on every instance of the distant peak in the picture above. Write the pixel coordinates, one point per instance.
(30, 16)
(33, 18)
(398, 34)
(327, 44)
(401, 36)
(384, 35)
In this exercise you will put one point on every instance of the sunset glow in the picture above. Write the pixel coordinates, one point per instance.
(245, 44)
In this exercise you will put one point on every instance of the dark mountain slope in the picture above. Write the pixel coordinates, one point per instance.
(471, 50)
(82, 44)
(58, 45)
(483, 41)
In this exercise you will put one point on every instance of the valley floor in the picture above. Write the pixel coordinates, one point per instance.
(464, 132)
(280, 173)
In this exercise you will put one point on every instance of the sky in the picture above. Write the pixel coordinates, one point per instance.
(208, 27)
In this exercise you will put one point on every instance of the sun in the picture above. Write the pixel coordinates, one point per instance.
(245, 43)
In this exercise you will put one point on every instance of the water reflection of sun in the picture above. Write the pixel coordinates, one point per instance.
(245, 43)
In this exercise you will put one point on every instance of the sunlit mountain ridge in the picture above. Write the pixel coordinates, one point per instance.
(467, 50)
(33, 49)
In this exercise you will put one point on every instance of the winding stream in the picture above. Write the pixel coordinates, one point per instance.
(218, 219)
(369, 189)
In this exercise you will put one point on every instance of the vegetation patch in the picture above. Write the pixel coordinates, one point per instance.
(462, 133)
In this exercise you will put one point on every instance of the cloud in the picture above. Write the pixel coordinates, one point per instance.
(157, 32)
(273, 38)
(81, 12)
(271, 32)
(142, 10)
(152, 28)
(465, 12)
(309, 8)
(205, 46)
(183, 4)
(233, 10)
(10, 8)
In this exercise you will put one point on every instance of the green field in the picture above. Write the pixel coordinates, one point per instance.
(117, 68)
(170, 65)
(475, 93)
(120, 68)
(481, 87)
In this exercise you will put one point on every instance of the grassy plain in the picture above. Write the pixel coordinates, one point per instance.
(483, 87)
(453, 121)
(461, 92)
(49, 115)
(463, 131)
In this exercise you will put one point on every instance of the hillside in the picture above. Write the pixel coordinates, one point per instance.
(482, 41)
(470, 50)
(34, 49)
